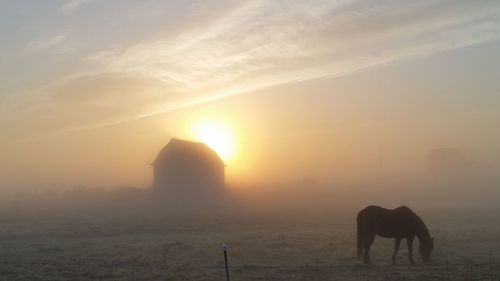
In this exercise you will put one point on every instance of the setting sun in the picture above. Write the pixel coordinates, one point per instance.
(217, 136)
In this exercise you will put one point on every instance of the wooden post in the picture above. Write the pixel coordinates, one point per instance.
(491, 267)
(224, 248)
(165, 250)
(132, 274)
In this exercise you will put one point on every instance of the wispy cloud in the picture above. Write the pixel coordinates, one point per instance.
(259, 44)
(72, 5)
(46, 43)
(57, 45)
(83, 101)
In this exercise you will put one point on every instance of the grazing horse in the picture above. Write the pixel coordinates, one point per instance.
(398, 223)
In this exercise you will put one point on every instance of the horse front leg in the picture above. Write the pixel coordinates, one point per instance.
(397, 241)
(409, 240)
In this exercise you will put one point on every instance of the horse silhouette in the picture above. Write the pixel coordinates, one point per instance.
(398, 223)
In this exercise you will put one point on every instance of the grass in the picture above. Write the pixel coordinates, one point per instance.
(149, 248)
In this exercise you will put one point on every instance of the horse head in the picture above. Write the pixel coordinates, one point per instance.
(425, 249)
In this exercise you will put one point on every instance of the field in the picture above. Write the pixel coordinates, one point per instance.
(307, 247)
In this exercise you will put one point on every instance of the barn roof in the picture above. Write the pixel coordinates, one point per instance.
(177, 148)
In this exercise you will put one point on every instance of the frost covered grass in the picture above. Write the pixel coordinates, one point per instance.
(70, 247)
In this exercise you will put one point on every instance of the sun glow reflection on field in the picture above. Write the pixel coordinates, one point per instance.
(218, 136)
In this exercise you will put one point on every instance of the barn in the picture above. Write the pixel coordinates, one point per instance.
(185, 167)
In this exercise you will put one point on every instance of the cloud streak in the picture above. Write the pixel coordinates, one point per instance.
(72, 5)
(46, 43)
(260, 44)
(257, 40)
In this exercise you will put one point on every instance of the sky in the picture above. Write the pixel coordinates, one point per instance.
(339, 91)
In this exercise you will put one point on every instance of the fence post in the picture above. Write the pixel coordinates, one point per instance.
(224, 248)
(132, 274)
(491, 266)
(165, 250)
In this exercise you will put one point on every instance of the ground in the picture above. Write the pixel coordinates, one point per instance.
(122, 247)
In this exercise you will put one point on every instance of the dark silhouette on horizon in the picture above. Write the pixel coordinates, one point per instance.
(188, 169)
(399, 223)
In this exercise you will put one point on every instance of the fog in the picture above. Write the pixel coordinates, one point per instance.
(137, 137)
(463, 188)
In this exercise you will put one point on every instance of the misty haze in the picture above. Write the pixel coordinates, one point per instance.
(249, 140)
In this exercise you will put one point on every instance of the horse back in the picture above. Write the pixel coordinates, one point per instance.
(400, 222)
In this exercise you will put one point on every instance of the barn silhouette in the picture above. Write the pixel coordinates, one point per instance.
(188, 168)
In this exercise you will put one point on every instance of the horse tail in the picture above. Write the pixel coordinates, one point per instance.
(359, 241)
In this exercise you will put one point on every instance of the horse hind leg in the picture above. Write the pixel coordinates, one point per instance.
(366, 247)
(359, 241)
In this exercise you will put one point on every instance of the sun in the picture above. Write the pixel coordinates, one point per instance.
(218, 136)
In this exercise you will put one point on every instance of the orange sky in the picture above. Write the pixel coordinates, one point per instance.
(315, 91)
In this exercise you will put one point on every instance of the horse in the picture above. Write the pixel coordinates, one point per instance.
(398, 223)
